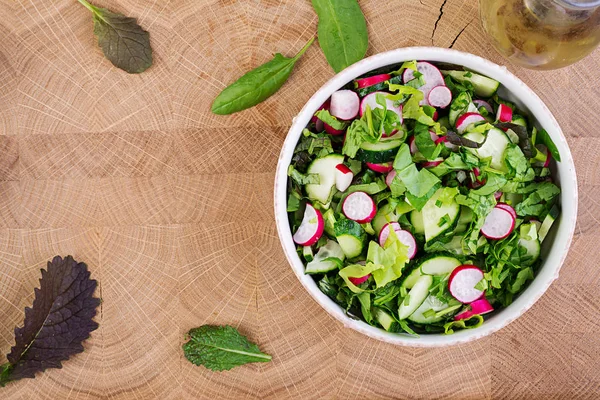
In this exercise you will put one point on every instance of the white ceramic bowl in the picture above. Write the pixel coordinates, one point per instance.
(554, 249)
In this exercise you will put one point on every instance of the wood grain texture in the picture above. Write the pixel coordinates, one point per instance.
(171, 208)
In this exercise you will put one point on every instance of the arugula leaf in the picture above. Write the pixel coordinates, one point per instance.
(257, 85)
(221, 348)
(470, 323)
(342, 32)
(545, 139)
(57, 323)
(122, 40)
(330, 120)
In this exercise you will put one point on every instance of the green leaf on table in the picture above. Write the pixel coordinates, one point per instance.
(257, 85)
(122, 40)
(342, 32)
(57, 323)
(221, 348)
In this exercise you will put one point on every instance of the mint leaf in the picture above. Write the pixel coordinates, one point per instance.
(59, 320)
(122, 40)
(221, 348)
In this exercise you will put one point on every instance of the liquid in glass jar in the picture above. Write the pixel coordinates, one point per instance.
(542, 34)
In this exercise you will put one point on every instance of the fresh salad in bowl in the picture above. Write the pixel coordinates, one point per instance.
(418, 198)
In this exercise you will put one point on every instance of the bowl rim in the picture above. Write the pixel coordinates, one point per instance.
(564, 235)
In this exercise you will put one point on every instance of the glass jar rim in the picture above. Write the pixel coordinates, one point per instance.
(579, 4)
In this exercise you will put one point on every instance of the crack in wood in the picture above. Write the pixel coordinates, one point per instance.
(459, 33)
(438, 20)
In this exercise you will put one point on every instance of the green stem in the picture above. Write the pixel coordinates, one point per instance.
(301, 52)
(87, 5)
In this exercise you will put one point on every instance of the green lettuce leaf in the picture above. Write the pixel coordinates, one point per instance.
(392, 258)
(470, 323)
(520, 170)
(330, 120)
(425, 144)
(357, 271)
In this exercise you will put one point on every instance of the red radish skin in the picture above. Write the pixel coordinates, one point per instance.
(504, 113)
(344, 104)
(311, 228)
(498, 196)
(319, 126)
(431, 164)
(484, 104)
(358, 281)
(404, 236)
(390, 177)
(431, 75)
(343, 177)
(440, 96)
(467, 119)
(508, 208)
(435, 116)
(481, 306)
(332, 131)
(413, 146)
(359, 207)
(381, 168)
(372, 80)
(498, 224)
(324, 106)
(444, 140)
(464, 315)
(462, 282)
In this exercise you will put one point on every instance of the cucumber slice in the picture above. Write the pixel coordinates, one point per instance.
(318, 265)
(307, 253)
(384, 319)
(380, 152)
(438, 265)
(325, 168)
(533, 249)
(432, 215)
(430, 303)
(482, 85)
(547, 224)
(464, 220)
(519, 120)
(384, 215)
(495, 145)
(350, 236)
(412, 278)
(416, 219)
(329, 220)
(416, 297)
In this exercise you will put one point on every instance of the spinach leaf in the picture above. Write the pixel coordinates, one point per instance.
(57, 323)
(122, 40)
(257, 85)
(342, 32)
(221, 348)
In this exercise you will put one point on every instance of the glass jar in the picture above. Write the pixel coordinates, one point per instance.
(542, 34)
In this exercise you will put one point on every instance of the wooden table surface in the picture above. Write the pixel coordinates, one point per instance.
(171, 208)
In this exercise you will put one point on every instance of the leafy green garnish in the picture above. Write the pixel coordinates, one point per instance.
(303, 179)
(473, 322)
(365, 306)
(342, 32)
(221, 348)
(57, 323)
(392, 258)
(330, 120)
(545, 139)
(425, 144)
(122, 40)
(257, 85)
(411, 108)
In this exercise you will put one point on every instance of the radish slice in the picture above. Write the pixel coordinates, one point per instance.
(372, 80)
(324, 106)
(435, 116)
(382, 168)
(464, 315)
(371, 101)
(359, 207)
(543, 149)
(333, 131)
(344, 104)
(484, 104)
(498, 224)
(481, 306)
(319, 126)
(507, 208)
(444, 140)
(431, 75)
(413, 146)
(404, 236)
(467, 119)
(311, 228)
(498, 196)
(390, 177)
(343, 177)
(431, 164)
(440, 96)
(358, 281)
(504, 113)
(462, 282)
